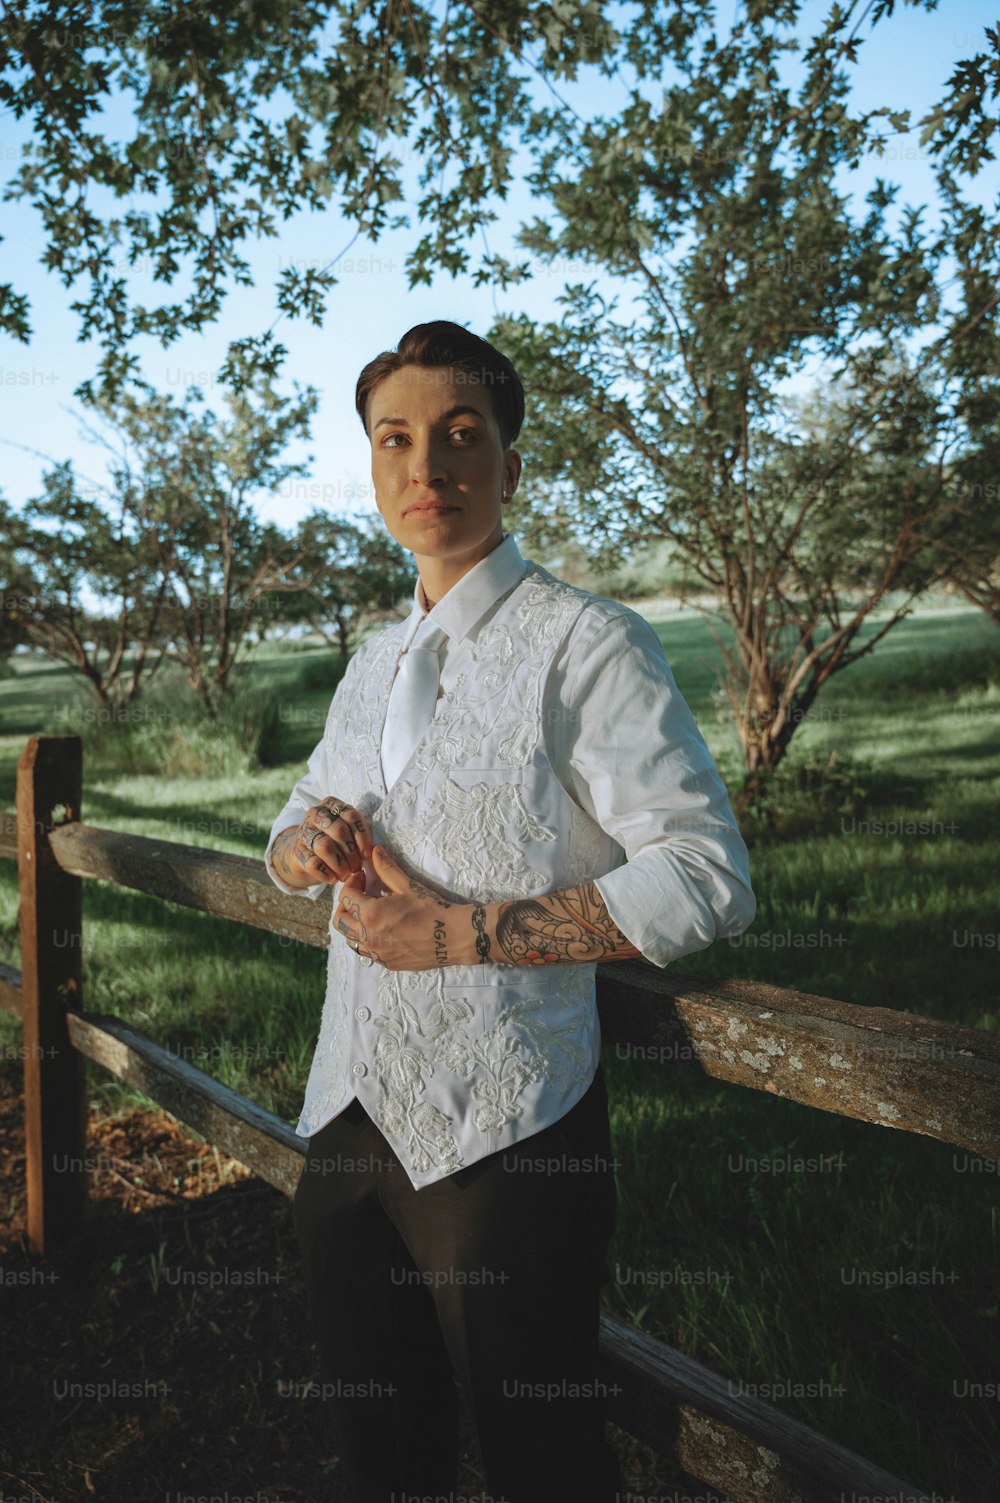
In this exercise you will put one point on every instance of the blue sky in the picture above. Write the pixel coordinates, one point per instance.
(905, 62)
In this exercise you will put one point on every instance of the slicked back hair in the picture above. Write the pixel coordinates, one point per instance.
(441, 344)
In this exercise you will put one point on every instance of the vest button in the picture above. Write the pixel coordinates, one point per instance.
(359, 1069)
(362, 1014)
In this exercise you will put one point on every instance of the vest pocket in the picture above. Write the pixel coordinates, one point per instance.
(467, 777)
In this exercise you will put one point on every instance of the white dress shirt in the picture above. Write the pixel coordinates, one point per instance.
(626, 748)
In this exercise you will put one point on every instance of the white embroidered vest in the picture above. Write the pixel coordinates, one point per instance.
(457, 1062)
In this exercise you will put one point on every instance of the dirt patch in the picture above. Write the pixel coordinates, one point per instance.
(165, 1356)
(148, 1360)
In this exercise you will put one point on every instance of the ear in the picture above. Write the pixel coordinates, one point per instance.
(511, 474)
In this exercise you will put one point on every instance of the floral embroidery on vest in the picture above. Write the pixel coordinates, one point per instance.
(494, 1060)
(401, 1069)
(468, 828)
(474, 832)
(496, 1057)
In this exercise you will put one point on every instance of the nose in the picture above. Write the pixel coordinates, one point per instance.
(428, 460)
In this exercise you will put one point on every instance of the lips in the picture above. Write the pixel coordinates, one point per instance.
(428, 508)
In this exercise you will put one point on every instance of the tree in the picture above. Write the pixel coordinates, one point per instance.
(345, 576)
(720, 195)
(966, 552)
(17, 587)
(65, 546)
(973, 556)
(968, 549)
(172, 562)
(238, 123)
(193, 478)
(240, 119)
(717, 210)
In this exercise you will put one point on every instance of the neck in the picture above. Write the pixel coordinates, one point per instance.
(437, 576)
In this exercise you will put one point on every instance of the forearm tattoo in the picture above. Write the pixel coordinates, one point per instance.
(420, 891)
(573, 925)
(482, 938)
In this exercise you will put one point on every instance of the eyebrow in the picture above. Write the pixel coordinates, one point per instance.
(452, 412)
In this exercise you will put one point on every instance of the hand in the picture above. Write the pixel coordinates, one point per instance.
(409, 927)
(328, 846)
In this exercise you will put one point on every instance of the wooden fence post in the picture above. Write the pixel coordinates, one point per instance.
(49, 786)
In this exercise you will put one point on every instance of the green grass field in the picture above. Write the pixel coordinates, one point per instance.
(863, 1286)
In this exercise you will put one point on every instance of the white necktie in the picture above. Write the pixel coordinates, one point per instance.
(412, 700)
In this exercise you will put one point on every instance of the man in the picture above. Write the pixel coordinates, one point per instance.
(486, 766)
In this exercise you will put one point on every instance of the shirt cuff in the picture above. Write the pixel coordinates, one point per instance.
(295, 892)
(681, 920)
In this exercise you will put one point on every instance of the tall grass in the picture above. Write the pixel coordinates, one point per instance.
(170, 733)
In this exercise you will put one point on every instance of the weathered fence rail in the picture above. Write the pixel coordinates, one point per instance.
(870, 1063)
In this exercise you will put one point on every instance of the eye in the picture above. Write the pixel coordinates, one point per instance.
(385, 441)
(471, 431)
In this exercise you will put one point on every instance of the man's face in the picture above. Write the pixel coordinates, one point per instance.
(439, 470)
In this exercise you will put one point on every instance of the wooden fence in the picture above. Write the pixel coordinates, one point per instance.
(871, 1063)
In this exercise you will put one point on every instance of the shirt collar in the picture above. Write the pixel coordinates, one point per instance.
(458, 611)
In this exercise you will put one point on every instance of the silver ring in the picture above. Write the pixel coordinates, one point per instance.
(311, 838)
(364, 959)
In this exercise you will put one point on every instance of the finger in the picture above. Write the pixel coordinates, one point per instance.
(331, 839)
(339, 839)
(348, 920)
(389, 871)
(360, 830)
(319, 851)
(364, 835)
(310, 861)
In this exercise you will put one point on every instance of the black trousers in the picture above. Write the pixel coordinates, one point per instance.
(489, 1278)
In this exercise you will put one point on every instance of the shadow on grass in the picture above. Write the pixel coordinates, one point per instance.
(188, 1304)
(750, 1238)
